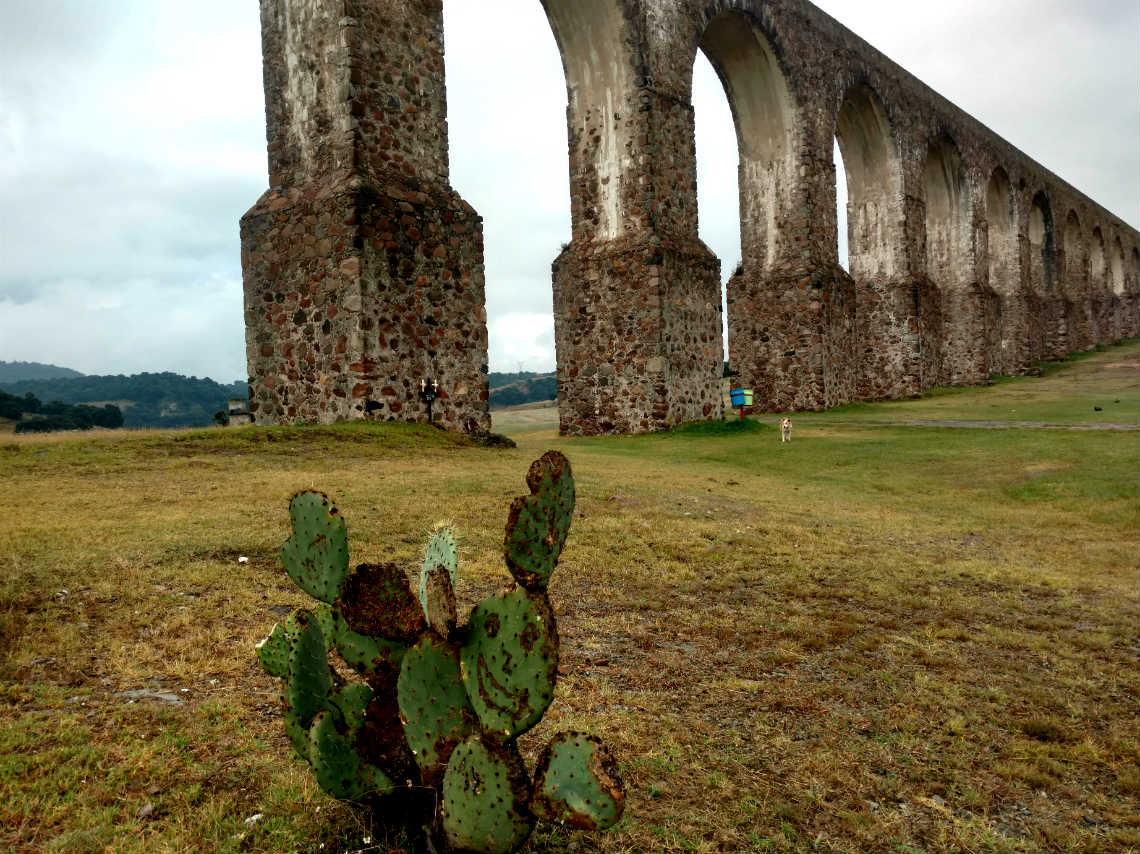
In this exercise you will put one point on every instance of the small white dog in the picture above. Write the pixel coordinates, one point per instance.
(786, 430)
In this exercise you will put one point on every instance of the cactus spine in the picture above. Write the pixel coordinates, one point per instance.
(441, 705)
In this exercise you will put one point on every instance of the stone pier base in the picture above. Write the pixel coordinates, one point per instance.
(638, 334)
(792, 338)
(354, 293)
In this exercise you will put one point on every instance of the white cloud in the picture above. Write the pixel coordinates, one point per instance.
(521, 341)
(129, 327)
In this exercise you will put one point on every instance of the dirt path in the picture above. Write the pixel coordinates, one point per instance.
(973, 425)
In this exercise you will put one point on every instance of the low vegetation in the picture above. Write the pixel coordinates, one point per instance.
(530, 390)
(146, 400)
(29, 415)
(875, 637)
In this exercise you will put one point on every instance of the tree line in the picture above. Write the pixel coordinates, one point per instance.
(32, 416)
(529, 390)
(146, 400)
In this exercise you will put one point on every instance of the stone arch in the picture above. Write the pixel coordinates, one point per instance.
(779, 335)
(874, 183)
(1116, 261)
(1135, 268)
(1042, 252)
(946, 203)
(1002, 234)
(1097, 266)
(1076, 284)
(764, 113)
(1005, 320)
(592, 38)
(1073, 323)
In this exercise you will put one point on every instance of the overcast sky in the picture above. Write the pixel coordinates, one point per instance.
(132, 139)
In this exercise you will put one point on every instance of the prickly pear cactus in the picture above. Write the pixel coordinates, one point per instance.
(441, 704)
(538, 523)
(576, 782)
(510, 661)
(316, 556)
(434, 708)
(485, 796)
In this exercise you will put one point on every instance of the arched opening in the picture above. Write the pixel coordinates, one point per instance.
(871, 172)
(1042, 255)
(763, 112)
(1002, 243)
(966, 343)
(718, 186)
(1136, 268)
(520, 319)
(1117, 262)
(842, 199)
(1097, 266)
(1076, 285)
(1073, 317)
(1002, 234)
(943, 183)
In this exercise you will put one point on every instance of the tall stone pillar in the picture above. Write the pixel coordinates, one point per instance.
(636, 293)
(363, 269)
(791, 307)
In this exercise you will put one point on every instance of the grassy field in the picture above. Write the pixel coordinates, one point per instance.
(877, 637)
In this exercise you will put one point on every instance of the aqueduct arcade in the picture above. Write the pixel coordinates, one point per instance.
(364, 267)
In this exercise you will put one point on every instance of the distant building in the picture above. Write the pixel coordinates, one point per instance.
(238, 410)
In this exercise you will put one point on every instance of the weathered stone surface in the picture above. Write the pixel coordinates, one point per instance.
(364, 270)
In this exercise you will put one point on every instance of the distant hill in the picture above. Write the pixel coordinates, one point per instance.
(31, 415)
(14, 372)
(146, 400)
(172, 400)
(528, 388)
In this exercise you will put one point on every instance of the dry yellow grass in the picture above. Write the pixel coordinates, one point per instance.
(869, 639)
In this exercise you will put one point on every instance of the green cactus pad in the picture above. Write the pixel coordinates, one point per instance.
(316, 556)
(273, 652)
(538, 523)
(366, 655)
(485, 794)
(338, 768)
(323, 614)
(350, 702)
(377, 601)
(308, 682)
(576, 782)
(434, 708)
(509, 660)
(438, 596)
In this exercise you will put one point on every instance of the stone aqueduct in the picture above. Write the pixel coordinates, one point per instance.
(364, 268)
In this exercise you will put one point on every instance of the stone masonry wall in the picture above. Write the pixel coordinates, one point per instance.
(363, 269)
(912, 323)
(637, 311)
